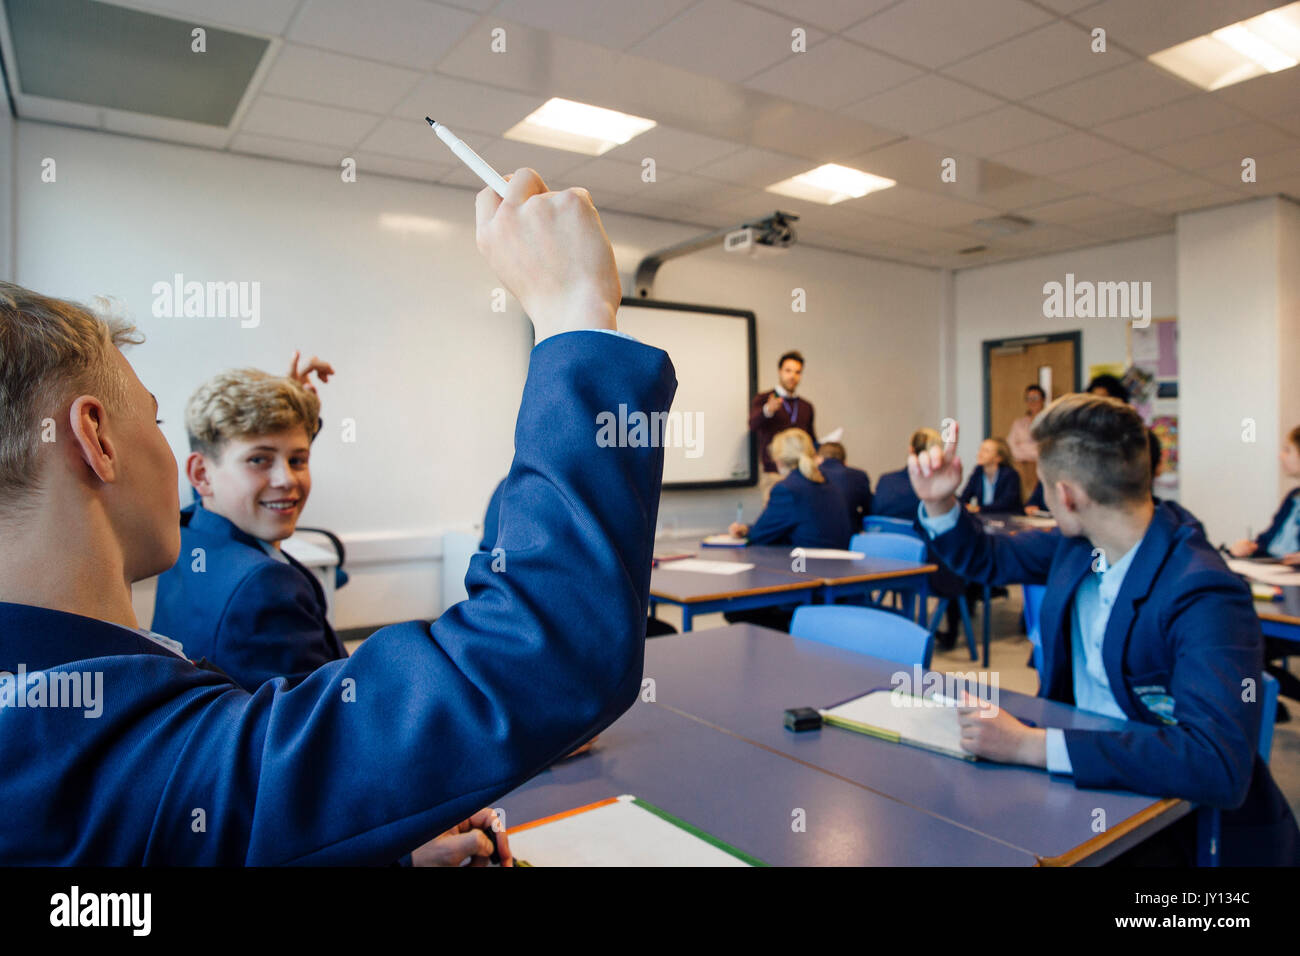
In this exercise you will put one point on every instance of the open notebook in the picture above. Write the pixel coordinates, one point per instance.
(901, 719)
(620, 831)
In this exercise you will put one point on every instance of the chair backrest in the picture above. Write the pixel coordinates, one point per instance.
(867, 630)
(1268, 689)
(871, 523)
(886, 545)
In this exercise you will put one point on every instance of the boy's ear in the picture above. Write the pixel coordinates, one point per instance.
(197, 471)
(86, 424)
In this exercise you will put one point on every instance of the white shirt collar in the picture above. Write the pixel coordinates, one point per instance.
(782, 392)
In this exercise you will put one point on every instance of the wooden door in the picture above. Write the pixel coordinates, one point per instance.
(1013, 366)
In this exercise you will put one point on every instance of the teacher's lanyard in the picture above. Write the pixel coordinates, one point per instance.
(790, 410)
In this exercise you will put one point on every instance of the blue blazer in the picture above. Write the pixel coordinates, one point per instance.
(1182, 626)
(254, 617)
(1265, 539)
(854, 486)
(492, 519)
(426, 723)
(803, 514)
(894, 496)
(1036, 497)
(1006, 491)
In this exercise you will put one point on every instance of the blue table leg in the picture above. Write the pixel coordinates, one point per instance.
(988, 616)
(686, 617)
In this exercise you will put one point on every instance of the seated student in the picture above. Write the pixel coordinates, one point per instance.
(426, 722)
(994, 486)
(853, 484)
(235, 598)
(804, 509)
(894, 497)
(1109, 386)
(1281, 539)
(1034, 504)
(1141, 621)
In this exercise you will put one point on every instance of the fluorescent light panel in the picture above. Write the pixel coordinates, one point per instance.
(1240, 51)
(578, 127)
(830, 184)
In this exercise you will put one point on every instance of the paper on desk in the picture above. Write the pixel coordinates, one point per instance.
(701, 566)
(1279, 574)
(829, 553)
(619, 832)
(922, 724)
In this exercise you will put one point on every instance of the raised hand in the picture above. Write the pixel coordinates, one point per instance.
(302, 375)
(936, 475)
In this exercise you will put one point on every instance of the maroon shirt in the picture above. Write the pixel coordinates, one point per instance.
(794, 412)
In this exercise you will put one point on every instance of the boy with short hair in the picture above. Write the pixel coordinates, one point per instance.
(1141, 621)
(235, 598)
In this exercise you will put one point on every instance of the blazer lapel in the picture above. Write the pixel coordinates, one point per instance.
(1053, 627)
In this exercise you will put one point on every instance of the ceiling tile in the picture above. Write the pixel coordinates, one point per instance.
(269, 17)
(1078, 209)
(923, 104)
(608, 176)
(1227, 146)
(613, 25)
(833, 15)
(998, 131)
(1182, 120)
(305, 73)
(1120, 171)
(832, 74)
(292, 150)
(1264, 96)
(920, 207)
(406, 168)
(412, 138)
(1148, 26)
(723, 38)
(1132, 88)
(816, 134)
(936, 32)
(467, 106)
(398, 32)
(1220, 197)
(755, 167)
(1057, 155)
(673, 149)
(1169, 186)
(915, 162)
(1048, 57)
(1065, 6)
(57, 111)
(1128, 226)
(308, 122)
(158, 127)
(505, 156)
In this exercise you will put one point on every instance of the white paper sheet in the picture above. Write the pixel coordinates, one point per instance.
(931, 726)
(617, 834)
(702, 566)
(1279, 574)
(830, 553)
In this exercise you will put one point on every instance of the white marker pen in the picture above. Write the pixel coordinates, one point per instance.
(470, 158)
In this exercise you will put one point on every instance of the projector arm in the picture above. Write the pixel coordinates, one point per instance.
(775, 230)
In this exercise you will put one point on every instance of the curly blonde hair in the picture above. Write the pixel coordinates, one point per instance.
(245, 403)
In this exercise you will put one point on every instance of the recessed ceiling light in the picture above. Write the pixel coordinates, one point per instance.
(830, 184)
(578, 127)
(1240, 51)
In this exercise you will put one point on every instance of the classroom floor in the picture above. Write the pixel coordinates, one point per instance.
(1009, 656)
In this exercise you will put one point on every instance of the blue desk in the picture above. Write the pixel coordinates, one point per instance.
(697, 593)
(742, 677)
(745, 795)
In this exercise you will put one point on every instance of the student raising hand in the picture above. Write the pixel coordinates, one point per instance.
(302, 376)
(936, 475)
(551, 252)
(470, 839)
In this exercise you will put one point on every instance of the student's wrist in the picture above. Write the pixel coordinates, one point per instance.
(582, 309)
(938, 507)
(1033, 747)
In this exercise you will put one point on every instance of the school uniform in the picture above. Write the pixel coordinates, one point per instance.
(1164, 639)
(1282, 536)
(425, 724)
(894, 497)
(1001, 495)
(252, 610)
(1035, 498)
(854, 486)
(492, 518)
(803, 514)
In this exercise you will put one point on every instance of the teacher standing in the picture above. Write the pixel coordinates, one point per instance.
(774, 411)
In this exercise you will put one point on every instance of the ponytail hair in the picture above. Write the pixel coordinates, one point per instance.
(793, 449)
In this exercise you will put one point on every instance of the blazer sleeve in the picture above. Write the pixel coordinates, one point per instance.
(1269, 533)
(372, 756)
(1006, 493)
(1022, 558)
(1208, 756)
(272, 627)
(973, 487)
(778, 519)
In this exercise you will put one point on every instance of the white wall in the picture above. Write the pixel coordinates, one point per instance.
(6, 188)
(430, 374)
(1006, 300)
(1239, 347)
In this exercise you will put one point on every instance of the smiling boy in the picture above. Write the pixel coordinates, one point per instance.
(234, 597)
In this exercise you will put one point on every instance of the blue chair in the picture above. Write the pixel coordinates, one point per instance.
(866, 630)
(1209, 819)
(1033, 603)
(900, 547)
(873, 523)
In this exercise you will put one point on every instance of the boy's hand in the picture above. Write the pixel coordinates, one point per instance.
(990, 732)
(738, 530)
(551, 252)
(1244, 548)
(935, 475)
(303, 376)
(469, 840)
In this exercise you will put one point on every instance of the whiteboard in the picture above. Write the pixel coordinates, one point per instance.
(707, 442)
